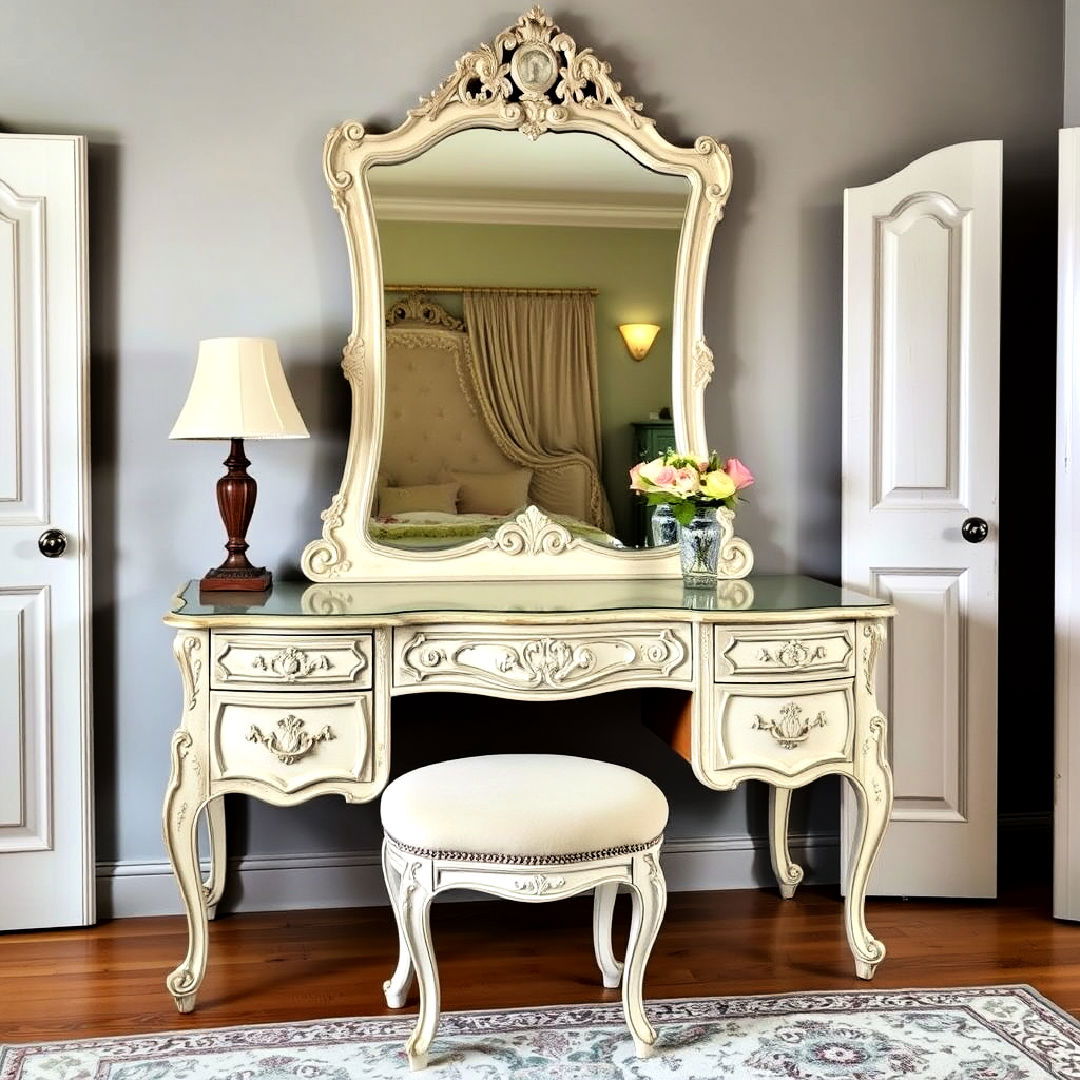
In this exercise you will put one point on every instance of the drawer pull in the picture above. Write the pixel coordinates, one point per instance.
(792, 654)
(291, 664)
(294, 741)
(792, 727)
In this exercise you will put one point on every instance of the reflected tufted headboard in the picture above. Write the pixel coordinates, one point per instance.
(430, 425)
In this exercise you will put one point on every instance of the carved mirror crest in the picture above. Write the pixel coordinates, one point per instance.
(478, 448)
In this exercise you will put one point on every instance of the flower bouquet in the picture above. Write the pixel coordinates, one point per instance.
(692, 491)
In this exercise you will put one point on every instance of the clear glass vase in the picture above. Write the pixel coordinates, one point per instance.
(663, 528)
(699, 548)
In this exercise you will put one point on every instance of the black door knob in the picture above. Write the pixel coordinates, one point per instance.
(975, 530)
(52, 543)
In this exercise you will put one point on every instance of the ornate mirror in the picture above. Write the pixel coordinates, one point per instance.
(498, 240)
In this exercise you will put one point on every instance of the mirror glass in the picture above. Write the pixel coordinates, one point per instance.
(510, 266)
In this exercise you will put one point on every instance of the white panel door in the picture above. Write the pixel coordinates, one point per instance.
(922, 269)
(46, 823)
(1067, 538)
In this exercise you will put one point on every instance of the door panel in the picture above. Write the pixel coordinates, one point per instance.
(921, 326)
(46, 821)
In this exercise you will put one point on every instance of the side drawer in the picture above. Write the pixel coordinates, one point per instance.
(291, 741)
(779, 729)
(815, 651)
(543, 660)
(272, 661)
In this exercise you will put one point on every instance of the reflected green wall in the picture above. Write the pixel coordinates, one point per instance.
(632, 269)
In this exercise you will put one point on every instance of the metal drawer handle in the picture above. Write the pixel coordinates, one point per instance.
(294, 741)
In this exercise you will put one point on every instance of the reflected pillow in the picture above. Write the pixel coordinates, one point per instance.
(442, 498)
(493, 493)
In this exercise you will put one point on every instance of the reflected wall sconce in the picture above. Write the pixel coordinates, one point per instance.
(639, 338)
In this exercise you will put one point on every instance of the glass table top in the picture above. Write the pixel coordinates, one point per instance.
(765, 593)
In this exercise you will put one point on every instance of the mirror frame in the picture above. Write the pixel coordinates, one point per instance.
(485, 91)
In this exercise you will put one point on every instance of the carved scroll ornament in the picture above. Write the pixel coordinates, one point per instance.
(791, 727)
(291, 741)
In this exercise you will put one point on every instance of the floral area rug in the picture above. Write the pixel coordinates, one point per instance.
(980, 1033)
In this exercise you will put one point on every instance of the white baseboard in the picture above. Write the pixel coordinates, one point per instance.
(354, 878)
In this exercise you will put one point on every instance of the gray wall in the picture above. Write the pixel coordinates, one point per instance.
(210, 216)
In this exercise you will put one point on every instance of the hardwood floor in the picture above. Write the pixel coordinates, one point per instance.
(282, 966)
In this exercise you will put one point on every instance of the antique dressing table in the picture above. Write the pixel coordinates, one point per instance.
(291, 699)
(413, 591)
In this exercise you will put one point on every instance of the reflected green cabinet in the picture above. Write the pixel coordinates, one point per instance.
(651, 439)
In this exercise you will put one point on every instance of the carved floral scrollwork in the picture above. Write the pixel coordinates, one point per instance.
(291, 741)
(352, 359)
(532, 532)
(791, 727)
(538, 884)
(186, 649)
(416, 307)
(552, 662)
(704, 364)
(291, 664)
(546, 71)
(874, 632)
(792, 654)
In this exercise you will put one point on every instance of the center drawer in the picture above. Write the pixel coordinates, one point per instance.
(543, 661)
(282, 661)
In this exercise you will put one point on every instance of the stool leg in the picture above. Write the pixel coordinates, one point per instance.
(649, 894)
(396, 988)
(415, 902)
(603, 910)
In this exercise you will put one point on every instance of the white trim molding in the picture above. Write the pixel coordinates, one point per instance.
(354, 878)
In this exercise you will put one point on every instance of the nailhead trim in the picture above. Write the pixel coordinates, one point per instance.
(524, 860)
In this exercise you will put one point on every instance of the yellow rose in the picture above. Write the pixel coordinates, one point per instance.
(717, 485)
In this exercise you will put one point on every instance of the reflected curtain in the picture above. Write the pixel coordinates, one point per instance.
(534, 373)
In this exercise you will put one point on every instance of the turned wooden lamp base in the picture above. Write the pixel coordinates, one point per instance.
(236, 493)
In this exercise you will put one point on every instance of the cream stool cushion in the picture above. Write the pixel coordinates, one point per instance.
(523, 808)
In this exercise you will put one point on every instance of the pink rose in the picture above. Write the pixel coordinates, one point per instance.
(636, 483)
(739, 473)
(665, 476)
(687, 480)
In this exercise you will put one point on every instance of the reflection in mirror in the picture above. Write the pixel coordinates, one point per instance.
(510, 265)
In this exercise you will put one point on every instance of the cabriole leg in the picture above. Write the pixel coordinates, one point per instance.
(415, 905)
(649, 897)
(396, 988)
(215, 828)
(603, 912)
(788, 874)
(872, 787)
(183, 802)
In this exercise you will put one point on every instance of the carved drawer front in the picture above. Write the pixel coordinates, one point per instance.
(542, 661)
(780, 730)
(290, 741)
(270, 662)
(819, 651)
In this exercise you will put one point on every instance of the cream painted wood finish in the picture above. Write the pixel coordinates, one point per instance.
(1067, 536)
(414, 881)
(486, 90)
(46, 752)
(806, 711)
(922, 307)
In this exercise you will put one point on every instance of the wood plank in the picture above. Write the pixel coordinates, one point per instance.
(277, 967)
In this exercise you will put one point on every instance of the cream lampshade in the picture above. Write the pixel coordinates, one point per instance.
(639, 338)
(238, 392)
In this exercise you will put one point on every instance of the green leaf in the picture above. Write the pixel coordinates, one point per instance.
(684, 512)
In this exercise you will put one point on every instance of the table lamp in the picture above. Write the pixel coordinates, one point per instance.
(239, 392)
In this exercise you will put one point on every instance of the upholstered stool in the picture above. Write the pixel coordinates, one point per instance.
(532, 827)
